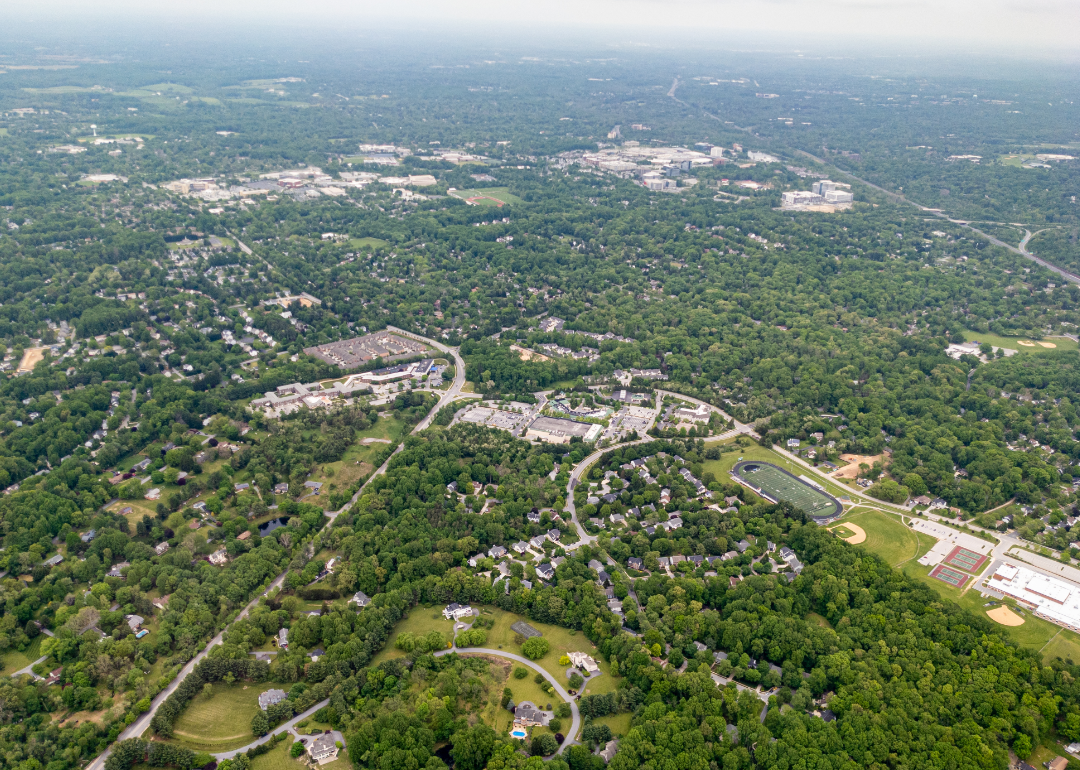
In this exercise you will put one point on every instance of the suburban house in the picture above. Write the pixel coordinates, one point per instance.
(583, 662)
(282, 639)
(323, 749)
(521, 546)
(635, 563)
(545, 571)
(360, 599)
(455, 611)
(219, 557)
(134, 621)
(271, 698)
(161, 548)
(528, 715)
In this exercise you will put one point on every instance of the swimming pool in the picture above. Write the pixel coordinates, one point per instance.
(518, 733)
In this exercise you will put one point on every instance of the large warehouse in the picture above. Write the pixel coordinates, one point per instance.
(555, 430)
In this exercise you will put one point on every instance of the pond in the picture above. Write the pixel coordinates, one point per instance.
(269, 526)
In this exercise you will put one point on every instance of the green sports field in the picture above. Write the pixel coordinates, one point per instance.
(781, 485)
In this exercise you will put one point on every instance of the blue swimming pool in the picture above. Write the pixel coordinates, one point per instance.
(519, 733)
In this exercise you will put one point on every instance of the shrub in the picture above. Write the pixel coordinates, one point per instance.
(296, 750)
(521, 672)
(535, 648)
(576, 681)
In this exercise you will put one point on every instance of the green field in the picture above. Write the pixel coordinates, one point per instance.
(886, 536)
(781, 486)
(13, 660)
(722, 466)
(562, 640)
(619, 723)
(279, 759)
(222, 721)
(368, 243)
(488, 196)
(165, 89)
(1013, 343)
(420, 620)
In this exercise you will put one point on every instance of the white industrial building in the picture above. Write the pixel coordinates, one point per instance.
(1055, 600)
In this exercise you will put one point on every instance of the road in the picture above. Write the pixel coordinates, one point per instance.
(279, 729)
(583, 466)
(1022, 250)
(446, 398)
(139, 726)
(575, 725)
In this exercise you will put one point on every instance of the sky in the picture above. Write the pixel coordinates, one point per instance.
(1037, 26)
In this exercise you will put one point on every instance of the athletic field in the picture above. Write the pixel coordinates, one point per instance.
(949, 575)
(780, 485)
(964, 559)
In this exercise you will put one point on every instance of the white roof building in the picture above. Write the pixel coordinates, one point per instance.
(1050, 598)
(584, 662)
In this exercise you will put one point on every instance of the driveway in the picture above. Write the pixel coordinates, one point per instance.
(287, 726)
(575, 725)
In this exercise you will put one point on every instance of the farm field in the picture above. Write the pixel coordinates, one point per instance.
(278, 759)
(222, 721)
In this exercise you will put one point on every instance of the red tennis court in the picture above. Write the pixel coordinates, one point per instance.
(949, 575)
(965, 559)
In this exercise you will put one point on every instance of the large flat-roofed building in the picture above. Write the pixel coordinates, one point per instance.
(555, 430)
(1055, 600)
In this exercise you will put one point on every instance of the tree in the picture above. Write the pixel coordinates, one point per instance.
(296, 750)
(544, 745)
(260, 725)
(472, 747)
(535, 648)
(521, 672)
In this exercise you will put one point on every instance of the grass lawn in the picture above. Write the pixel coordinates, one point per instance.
(368, 243)
(819, 620)
(727, 461)
(279, 759)
(562, 640)
(1013, 343)
(619, 723)
(13, 660)
(222, 721)
(421, 620)
(885, 535)
(488, 196)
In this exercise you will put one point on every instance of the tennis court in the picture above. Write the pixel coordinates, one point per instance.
(780, 485)
(962, 558)
(949, 575)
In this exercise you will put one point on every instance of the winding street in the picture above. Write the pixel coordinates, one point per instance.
(287, 726)
(575, 725)
(139, 726)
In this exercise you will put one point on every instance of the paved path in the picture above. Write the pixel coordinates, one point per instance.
(575, 726)
(279, 729)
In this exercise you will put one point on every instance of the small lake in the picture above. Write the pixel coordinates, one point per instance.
(269, 526)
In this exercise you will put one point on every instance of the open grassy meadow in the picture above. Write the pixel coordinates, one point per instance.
(368, 243)
(886, 536)
(1013, 343)
(222, 721)
(562, 640)
(421, 620)
(488, 196)
(278, 759)
(13, 660)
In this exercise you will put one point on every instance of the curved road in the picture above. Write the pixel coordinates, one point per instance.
(279, 729)
(575, 726)
(139, 726)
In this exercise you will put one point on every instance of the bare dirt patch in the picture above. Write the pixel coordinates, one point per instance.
(1048, 344)
(851, 470)
(858, 534)
(30, 359)
(528, 355)
(1005, 616)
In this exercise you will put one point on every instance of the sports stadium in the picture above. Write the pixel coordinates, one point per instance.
(777, 485)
